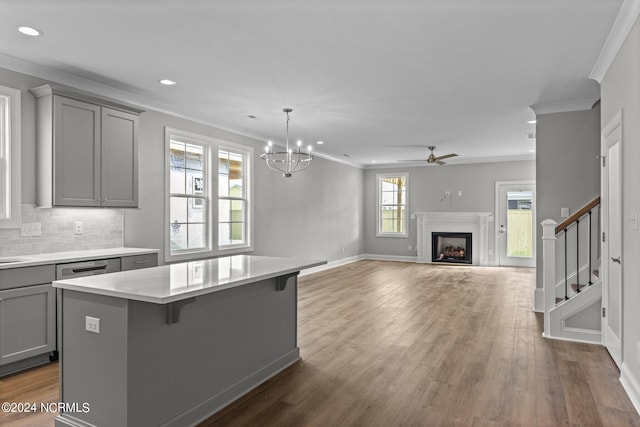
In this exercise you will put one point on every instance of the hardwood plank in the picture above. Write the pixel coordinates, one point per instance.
(403, 344)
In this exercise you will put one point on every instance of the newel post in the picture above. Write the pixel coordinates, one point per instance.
(548, 270)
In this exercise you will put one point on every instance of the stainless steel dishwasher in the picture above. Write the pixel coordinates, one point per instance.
(72, 270)
(87, 268)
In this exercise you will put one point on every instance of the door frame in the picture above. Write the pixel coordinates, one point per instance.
(613, 124)
(496, 221)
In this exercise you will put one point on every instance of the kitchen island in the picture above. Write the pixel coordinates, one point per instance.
(171, 345)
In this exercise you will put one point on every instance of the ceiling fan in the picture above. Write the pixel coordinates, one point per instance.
(433, 158)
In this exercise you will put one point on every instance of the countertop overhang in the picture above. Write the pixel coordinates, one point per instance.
(175, 282)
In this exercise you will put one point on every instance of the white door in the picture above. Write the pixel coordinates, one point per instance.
(515, 223)
(612, 250)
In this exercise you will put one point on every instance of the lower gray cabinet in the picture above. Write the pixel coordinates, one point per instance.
(27, 322)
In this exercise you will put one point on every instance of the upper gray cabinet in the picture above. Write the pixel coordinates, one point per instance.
(87, 150)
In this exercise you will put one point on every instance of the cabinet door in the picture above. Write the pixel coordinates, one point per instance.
(119, 159)
(76, 153)
(27, 322)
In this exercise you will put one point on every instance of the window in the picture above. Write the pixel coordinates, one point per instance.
(194, 190)
(9, 158)
(232, 198)
(392, 205)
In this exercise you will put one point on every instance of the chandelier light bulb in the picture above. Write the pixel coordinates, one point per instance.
(309, 148)
(299, 143)
(269, 143)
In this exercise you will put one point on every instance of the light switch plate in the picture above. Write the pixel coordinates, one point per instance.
(564, 212)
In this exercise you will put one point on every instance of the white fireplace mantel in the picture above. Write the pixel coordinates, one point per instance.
(476, 223)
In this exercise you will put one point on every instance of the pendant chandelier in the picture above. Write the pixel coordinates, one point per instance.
(289, 161)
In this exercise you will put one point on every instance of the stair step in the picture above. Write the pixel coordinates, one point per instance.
(576, 287)
(596, 273)
(559, 300)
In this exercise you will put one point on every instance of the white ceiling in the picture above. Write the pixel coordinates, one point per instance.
(375, 80)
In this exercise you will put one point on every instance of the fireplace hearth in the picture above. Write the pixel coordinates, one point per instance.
(451, 247)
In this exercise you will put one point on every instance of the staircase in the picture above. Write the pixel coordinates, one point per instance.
(571, 282)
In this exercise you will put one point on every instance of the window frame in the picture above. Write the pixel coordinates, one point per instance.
(14, 144)
(379, 179)
(247, 154)
(212, 147)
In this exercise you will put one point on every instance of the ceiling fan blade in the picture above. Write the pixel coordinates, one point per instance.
(440, 162)
(412, 160)
(446, 156)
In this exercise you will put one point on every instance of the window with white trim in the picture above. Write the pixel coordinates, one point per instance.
(392, 205)
(9, 158)
(207, 210)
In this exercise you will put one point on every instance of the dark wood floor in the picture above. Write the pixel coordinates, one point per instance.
(404, 344)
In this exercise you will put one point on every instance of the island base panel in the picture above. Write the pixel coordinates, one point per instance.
(141, 370)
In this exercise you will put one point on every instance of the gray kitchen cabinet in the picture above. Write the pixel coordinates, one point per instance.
(27, 317)
(135, 262)
(87, 150)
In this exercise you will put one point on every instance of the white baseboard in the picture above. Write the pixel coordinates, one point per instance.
(538, 300)
(391, 258)
(332, 264)
(631, 386)
(349, 260)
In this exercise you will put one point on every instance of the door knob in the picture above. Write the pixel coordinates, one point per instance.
(616, 260)
(502, 230)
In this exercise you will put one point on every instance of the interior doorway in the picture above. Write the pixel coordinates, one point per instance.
(611, 204)
(515, 223)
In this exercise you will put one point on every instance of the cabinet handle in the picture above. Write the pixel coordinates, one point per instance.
(142, 262)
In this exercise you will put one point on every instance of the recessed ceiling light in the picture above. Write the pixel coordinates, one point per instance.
(374, 161)
(29, 31)
(320, 142)
(532, 122)
(532, 151)
(166, 82)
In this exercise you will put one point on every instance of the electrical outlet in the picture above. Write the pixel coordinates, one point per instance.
(31, 229)
(92, 324)
(78, 229)
(459, 193)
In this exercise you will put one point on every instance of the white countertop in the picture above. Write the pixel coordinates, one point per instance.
(70, 256)
(175, 282)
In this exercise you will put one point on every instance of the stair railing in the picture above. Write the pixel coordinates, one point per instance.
(552, 233)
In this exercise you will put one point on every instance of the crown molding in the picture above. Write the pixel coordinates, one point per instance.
(563, 107)
(625, 20)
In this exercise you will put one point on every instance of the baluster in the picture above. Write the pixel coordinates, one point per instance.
(566, 279)
(590, 243)
(577, 255)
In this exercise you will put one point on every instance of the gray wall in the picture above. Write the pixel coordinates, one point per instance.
(315, 214)
(620, 90)
(567, 167)
(427, 185)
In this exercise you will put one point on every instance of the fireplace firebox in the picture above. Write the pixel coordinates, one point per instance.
(451, 247)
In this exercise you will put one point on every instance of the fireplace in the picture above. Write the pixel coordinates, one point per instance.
(451, 247)
(476, 223)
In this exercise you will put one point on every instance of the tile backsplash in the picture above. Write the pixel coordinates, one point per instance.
(101, 228)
